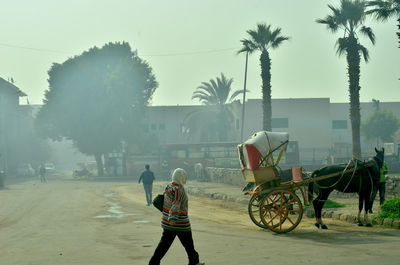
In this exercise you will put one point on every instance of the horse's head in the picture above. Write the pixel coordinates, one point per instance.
(380, 156)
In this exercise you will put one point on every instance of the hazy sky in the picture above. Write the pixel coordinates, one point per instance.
(187, 42)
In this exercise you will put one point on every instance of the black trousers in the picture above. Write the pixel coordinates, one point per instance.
(166, 241)
(381, 188)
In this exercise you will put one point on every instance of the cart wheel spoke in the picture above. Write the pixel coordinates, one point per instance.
(254, 210)
(290, 220)
(281, 210)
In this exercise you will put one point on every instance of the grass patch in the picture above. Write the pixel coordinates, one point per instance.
(330, 204)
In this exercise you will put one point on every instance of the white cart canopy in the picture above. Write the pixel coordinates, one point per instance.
(260, 147)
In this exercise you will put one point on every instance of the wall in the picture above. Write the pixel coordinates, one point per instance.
(235, 177)
(224, 175)
(392, 186)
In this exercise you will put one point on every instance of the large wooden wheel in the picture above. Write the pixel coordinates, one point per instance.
(281, 211)
(254, 210)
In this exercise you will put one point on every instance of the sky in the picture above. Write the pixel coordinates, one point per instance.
(188, 42)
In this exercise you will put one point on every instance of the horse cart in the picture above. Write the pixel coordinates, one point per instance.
(275, 202)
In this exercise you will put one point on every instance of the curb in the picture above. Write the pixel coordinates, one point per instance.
(213, 195)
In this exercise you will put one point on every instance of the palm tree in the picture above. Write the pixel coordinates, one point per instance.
(262, 39)
(349, 18)
(385, 9)
(216, 93)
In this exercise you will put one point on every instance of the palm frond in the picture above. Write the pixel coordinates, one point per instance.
(364, 52)
(330, 23)
(257, 38)
(341, 46)
(367, 31)
(208, 88)
(199, 94)
(247, 46)
(275, 33)
(214, 92)
(275, 44)
(236, 93)
(382, 10)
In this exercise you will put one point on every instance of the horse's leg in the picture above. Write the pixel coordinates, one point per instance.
(367, 202)
(360, 207)
(318, 205)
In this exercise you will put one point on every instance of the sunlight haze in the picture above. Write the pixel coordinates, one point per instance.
(188, 42)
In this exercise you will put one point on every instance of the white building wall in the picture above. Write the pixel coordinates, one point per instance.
(309, 123)
(308, 120)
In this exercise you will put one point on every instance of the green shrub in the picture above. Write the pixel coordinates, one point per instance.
(390, 209)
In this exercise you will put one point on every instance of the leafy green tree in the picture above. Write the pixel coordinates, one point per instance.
(263, 39)
(97, 99)
(385, 9)
(381, 125)
(349, 19)
(216, 120)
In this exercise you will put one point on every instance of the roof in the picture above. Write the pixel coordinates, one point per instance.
(11, 87)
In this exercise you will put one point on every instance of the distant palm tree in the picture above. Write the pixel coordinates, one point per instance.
(217, 93)
(262, 39)
(384, 9)
(350, 18)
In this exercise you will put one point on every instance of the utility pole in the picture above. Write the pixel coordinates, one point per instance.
(244, 96)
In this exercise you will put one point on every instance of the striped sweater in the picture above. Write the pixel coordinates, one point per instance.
(175, 208)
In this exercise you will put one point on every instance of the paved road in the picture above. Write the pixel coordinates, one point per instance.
(86, 222)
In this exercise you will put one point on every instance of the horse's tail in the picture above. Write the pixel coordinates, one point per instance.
(311, 186)
(310, 191)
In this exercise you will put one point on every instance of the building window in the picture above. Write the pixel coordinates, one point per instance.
(161, 126)
(153, 126)
(339, 124)
(280, 123)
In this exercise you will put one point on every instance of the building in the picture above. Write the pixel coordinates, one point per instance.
(321, 128)
(10, 119)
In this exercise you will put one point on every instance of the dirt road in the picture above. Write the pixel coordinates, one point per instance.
(107, 223)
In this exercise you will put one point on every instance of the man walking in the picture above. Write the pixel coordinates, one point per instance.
(148, 177)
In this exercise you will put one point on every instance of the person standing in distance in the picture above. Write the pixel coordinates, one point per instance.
(175, 221)
(148, 177)
(381, 187)
(42, 173)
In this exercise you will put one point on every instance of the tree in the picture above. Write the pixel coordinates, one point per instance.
(349, 18)
(385, 9)
(97, 99)
(214, 93)
(263, 39)
(381, 125)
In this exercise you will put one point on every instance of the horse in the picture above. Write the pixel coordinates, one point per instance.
(356, 176)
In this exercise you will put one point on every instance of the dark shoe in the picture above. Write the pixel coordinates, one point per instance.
(370, 211)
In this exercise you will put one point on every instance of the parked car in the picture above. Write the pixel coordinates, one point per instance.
(25, 170)
(50, 168)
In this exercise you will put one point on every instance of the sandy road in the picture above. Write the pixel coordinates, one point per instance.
(86, 222)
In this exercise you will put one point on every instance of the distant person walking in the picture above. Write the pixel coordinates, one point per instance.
(381, 187)
(148, 177)
(42, 173)
(175, 220)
